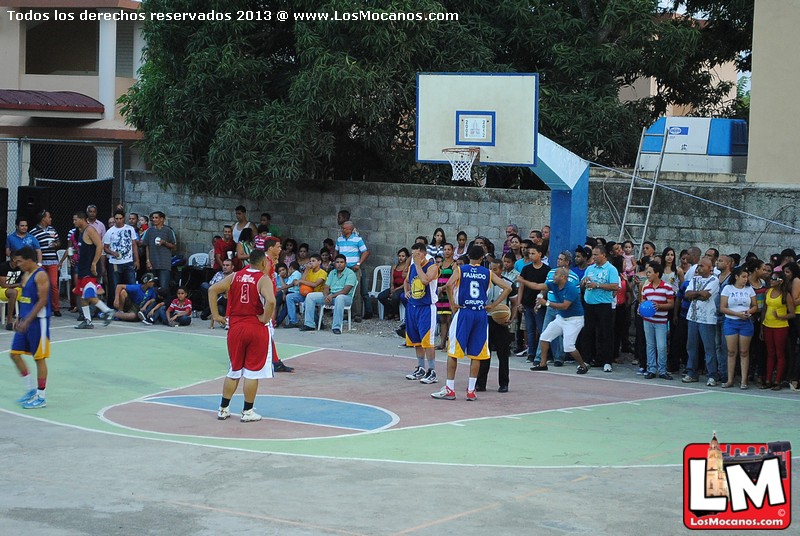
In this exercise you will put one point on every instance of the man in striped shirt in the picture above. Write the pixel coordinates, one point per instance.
(662, 296)
(352, 246)
(47, 237)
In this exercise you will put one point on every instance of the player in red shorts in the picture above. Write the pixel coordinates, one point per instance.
(251, 302)
(90, 247)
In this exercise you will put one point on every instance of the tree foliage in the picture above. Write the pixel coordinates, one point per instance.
(249, 107)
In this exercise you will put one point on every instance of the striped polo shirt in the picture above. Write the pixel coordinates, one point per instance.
(661, 294)
(351, 247)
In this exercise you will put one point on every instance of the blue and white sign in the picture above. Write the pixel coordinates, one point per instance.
(687, 135)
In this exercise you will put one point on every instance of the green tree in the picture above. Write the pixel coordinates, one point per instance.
(250, 107)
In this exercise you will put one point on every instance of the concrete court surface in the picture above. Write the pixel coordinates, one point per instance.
(557, 455)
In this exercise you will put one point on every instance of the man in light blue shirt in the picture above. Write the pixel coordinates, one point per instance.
(600, 283)
(338, 291)
(352, 246)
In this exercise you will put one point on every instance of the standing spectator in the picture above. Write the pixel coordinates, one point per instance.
(100, 227)
(436, 245)
(241, 223)
(444, 313)
(160, 242)
(244, 247)
(778, 311)
(655, 327)
(266, 219)
(21, 238)
(461, 247)
(738, 304)
(119, 243)
(224, 248)
(511, 230)
(352, 246)
(48, 239)
(531, 276)
(702, 321)
(600, 282)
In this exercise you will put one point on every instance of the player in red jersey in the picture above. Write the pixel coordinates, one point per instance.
(251, 304)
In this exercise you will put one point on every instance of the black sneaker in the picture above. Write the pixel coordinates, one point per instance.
(649, 375)
(280, 367)
(306, 328)
(558, 364)
(401, 331)
(665, 376)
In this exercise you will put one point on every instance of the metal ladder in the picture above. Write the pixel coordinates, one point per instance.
(641, 194)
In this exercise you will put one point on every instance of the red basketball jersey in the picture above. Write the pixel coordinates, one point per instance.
(244, 300)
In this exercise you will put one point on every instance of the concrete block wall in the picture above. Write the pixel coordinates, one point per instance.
(390, 216)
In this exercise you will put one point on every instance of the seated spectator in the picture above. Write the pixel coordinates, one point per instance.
(9, 283)
(390, 298)
(302, 256)
(329, 245)
(222, 300)
(291, 294)
(281, 273)
(136, 302)
(179, 312)
(312, 280)
(327, 260)
(338, 291)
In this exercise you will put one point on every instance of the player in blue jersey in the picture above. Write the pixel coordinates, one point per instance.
(32, 326)
(420, 287)
(468, 289)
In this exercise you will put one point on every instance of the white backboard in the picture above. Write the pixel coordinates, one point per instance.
(496, 112)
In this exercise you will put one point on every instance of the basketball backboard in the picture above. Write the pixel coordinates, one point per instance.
(496, 112)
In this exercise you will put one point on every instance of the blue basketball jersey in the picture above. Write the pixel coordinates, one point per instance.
(29, 297)
(421, 293)
(472, 288)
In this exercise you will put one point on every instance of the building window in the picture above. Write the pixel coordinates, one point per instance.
(62, 47)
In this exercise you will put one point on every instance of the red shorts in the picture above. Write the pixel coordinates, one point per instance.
(87, 287)
(249, 345)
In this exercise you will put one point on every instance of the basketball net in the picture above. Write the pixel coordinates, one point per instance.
(461, 160)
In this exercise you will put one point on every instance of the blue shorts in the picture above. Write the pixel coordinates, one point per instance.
(420, 325)
(35, 341)
(738, 326)
(469, 334)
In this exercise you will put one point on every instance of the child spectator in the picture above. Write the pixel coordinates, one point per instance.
(291, 286)
(628, 262)
(179, 312)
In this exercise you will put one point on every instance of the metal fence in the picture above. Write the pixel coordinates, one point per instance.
(61, 176)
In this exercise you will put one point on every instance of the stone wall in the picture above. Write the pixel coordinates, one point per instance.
(390, 216)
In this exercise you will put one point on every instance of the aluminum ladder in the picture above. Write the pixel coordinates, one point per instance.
(641, 194)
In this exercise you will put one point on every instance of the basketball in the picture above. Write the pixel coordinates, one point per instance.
(500, 314)
(647, 309)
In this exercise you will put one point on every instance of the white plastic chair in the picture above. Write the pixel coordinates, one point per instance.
(347, 309)
(199, 260)
(384, 272)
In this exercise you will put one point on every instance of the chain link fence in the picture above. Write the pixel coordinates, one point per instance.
(61, 176)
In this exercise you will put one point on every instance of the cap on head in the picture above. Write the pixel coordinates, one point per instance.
(146, 278)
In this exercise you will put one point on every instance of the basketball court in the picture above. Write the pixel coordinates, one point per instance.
(347, 444)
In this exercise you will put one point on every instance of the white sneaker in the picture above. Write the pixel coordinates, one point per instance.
(607, 368)
(430, 377)
(250, 416)
(711, 382)
(223, 413)
(522, 353)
